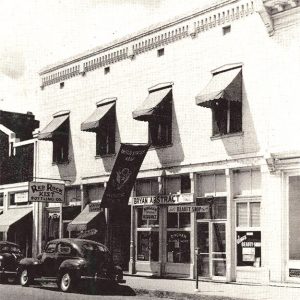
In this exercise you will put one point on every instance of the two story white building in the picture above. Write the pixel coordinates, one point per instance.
(214, 92)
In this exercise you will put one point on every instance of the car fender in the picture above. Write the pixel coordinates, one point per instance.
(72, 265)
(30, 263)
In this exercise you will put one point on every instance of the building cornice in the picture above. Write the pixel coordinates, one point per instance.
(160, 35)
(135, 36)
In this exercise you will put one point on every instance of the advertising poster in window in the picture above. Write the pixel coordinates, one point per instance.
(149, 213)
(249, 248)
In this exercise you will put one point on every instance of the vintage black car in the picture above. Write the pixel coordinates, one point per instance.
(10, 255)
(69, 262)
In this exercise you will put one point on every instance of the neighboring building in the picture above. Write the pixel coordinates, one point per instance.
(16, 169)
(214, 92)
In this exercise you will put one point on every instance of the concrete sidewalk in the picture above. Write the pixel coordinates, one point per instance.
(185, 289)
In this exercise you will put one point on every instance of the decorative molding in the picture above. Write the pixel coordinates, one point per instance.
(156, 36)
(277, 6)
(266, 18)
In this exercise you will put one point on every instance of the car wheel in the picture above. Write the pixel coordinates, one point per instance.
(66, 282)
(25, 278)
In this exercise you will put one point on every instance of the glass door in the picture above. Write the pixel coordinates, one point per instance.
(211, 239)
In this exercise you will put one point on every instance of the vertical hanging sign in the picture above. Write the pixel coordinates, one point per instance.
(123, 174)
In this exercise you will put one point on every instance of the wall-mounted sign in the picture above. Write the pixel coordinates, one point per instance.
(46, 192)
(95, 207)
(187, 208)
(162, 199)
(21, 197)
(149, 213)
(294, 272)
(87, 233)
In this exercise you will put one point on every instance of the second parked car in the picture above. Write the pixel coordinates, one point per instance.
(70, 261)
(10, 255)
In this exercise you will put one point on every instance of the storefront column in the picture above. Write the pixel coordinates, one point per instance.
(230, 229)
(162, 241)
(132, 269)
(82, 196)
(193, 243)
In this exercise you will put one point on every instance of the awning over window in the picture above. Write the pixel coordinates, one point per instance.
(152, 106)
(93, 122)
(12, 216)
(57, 127)
(225, 85)
(82, 221)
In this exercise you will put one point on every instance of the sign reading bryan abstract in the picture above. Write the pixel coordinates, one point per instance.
(123, 174)
(46, 192)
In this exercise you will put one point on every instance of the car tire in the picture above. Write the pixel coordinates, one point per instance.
(66, 282)
(25, 278)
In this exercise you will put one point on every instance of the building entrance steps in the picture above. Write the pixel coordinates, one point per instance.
(185, 289)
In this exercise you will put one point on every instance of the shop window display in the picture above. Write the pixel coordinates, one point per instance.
(178, 246)
(178, 241)
(248, 236)
(147, 236)
(147, 245)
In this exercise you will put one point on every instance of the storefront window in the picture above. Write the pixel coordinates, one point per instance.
(248, 236)
(147, 235)
(144, 222)
(179, 220)
(294, 220)
(213, 208)
(178, 246)
(147, 245)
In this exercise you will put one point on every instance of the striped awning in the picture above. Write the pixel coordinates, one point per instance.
(12, 216)
(57, 127)
(225, 85)
(151, 107)
(82, 221)
(93, 122)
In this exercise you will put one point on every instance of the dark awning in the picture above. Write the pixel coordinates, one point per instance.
(94, 120)
(12, 216)
(226, 85)
(82, 221)
(151, 106)
(57, 127)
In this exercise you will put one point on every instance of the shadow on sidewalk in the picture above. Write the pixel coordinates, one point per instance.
(94, 289)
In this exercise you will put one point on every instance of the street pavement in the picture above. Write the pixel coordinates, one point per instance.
(185, 289)
(38, 292)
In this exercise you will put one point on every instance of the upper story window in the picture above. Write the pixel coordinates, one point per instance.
(103, 123)
(1, 199)
(223, 95)
(157, 111)
(57, 131)
(19, 198)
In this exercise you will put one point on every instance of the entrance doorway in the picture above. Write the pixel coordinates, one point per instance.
(211, 241)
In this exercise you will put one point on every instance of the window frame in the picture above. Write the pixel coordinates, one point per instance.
(162, 130)
(60, 153)
(248, 228)
(106, 135)
(231, 111)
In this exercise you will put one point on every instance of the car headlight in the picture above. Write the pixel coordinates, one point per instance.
(1, 257)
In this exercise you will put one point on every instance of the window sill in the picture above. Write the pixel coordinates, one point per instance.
(54, 163)
(227, 135)
(152, 147)
(105, 156)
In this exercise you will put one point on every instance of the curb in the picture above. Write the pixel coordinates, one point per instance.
(180, 296)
